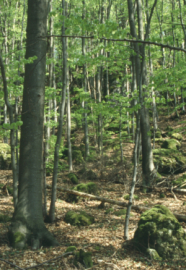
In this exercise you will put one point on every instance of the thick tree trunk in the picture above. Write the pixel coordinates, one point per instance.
(27, 224)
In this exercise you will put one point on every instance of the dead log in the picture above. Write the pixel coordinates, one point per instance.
(178, 190)
(123, 204)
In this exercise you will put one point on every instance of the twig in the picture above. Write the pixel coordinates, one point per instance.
(173, 194)
(12, 264)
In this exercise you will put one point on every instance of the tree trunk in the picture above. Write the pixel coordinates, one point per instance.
(60, 121)
(27, 225)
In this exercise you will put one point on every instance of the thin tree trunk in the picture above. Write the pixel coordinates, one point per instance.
(60, 121)
(133, 179)
(85, 86)
(69, 124)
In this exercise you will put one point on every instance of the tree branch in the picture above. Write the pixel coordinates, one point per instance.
(124, 39)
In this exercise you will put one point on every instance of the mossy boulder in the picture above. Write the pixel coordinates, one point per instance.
(171, 144)
(168, 160)
(79, 218)
(159, 141)
(160, 230)
(126, 197)
(84, 258)
(5, 156)
(177, 136)
(73, 178)
(90, 188)
(179, 181)
(120, 212)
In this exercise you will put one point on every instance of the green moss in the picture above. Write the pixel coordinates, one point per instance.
(120, 212)
(158, 228)
(109, 210)
(84, 258)
(80, 218)
(18, 237)
(70, 249)
(171, 144)
(169, 159)
(126, 197)
(154, 254)
(90, 188)
(177, 136)
(4, 218)
(162, 195)
(73, 178)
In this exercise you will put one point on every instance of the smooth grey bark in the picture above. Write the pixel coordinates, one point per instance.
(60, 121)
(28, 218)
(69, 124)
(133, 179)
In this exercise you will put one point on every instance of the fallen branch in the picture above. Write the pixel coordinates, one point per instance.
(178, 190)
(102, 199)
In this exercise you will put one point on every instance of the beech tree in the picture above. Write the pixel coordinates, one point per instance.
(27, 222)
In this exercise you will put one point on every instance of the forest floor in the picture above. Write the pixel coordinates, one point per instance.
(104, 239)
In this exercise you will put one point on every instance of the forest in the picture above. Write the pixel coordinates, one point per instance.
(92, 134)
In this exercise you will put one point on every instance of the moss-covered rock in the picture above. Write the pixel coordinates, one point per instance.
(79, 218)
(168, 160)
(90, 188)
(159, 141)
(120, 212)
(126, 197)
(84, 258)
(5, 156)
(160, 230)
(109, 210)
(171, 144)
(73, 178)
(177, 136)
